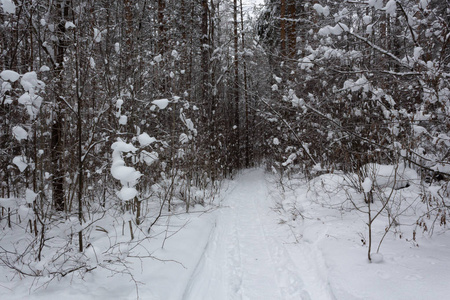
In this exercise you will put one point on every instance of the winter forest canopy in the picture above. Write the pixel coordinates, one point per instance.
(125, 110)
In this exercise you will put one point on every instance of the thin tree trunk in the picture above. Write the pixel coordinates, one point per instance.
(61, 9)
(162, 41)
(283, 27)
(205, 51)
(213, 166)
(236, 126)
(291, 30)
(80, 148)
(247, 138)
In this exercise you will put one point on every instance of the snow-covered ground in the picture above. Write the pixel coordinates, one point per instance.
(250, 256)
(255, 244)
(410, 269)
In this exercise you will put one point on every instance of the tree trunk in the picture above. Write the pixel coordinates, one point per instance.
(162, 39)
(291, 30)
(61, 9)
(236, 126)
(247, 138)
(283, 28)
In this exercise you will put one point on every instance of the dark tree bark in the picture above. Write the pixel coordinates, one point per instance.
(246, 96)
(236, 126)
(162, 39)
(291, 30)
(283, 38)
(61, 10)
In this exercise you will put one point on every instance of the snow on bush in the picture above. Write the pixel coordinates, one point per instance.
(9, 75)
(377, 4)
(30, 81)
(21, 162)
(322, 10)
(188, 123)
(44, 69)
(161, 103)
(127, 193)
(69, 25)
(30, 196)
(337, 29)
(183, 138)
(19, 133)
(97, 35)
(158, 58)
(8, 6)
(367, 185)
(148, 157)
(145, 140)
(390, 176)
(30, 84)
(391, 8)
(128, 176)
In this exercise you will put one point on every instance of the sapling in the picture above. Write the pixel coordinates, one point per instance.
(367, 181)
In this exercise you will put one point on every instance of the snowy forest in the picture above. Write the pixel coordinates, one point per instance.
(126, 125)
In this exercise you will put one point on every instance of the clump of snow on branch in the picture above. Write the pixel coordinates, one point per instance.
(19, 133)
(367, 185)
(158, 58)
(184, 138)
(145, 140)
(418, 52)
(377, 4)
(424, 4)
(367, 19)
(354, 86)
(92, 62)
(123, 120)
(148, 157)
(9, 75)
(290, 160)
(119, 104)
(128, 176)
(322, 10)
(175, 54)
(21, 162)
(277, 79)
(127, 193)
(337, 29)
(30, 196)
(97, 35)
(44, 69)
(69, 25)
(391, 8)
(8, 6)
(296, 102)
(188, 123)
(161, 103)
(30, 83)
(306, 63)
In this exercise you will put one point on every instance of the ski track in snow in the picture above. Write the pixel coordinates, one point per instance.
(247, 256)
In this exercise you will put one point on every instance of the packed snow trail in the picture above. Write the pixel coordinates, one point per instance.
(247, 258)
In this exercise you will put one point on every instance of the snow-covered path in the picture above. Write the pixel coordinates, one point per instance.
(247, 256)
(248, 251)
